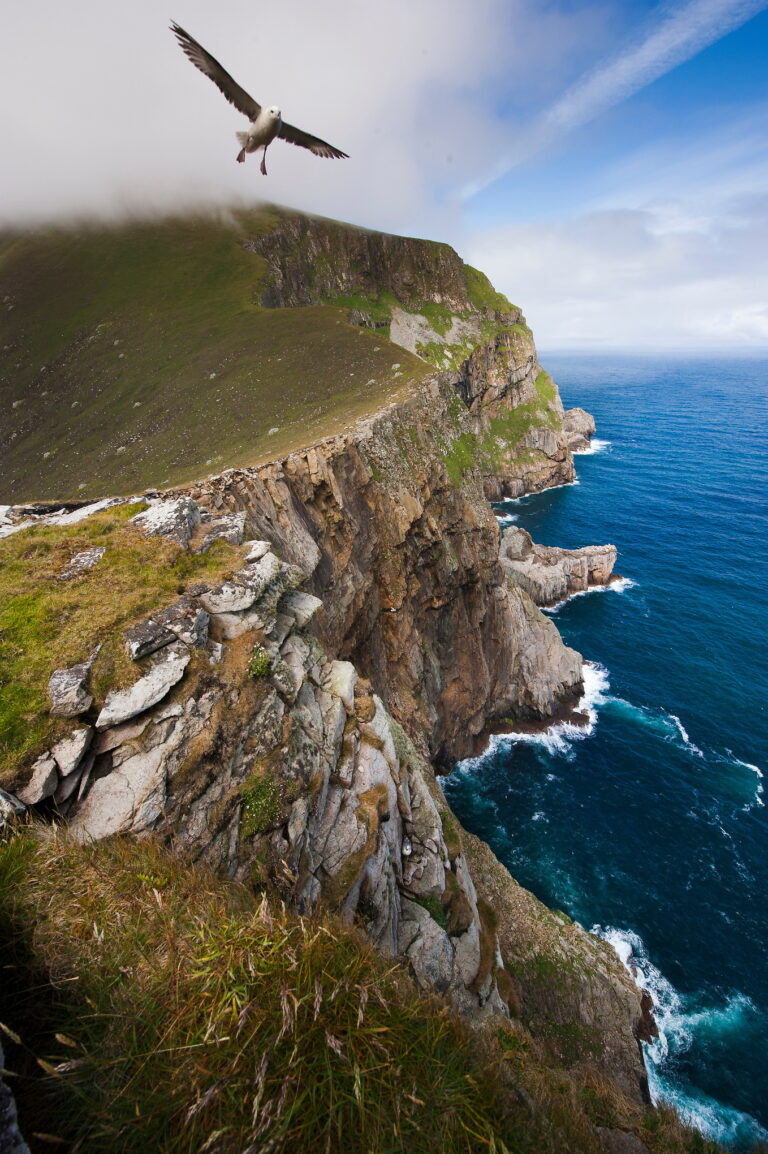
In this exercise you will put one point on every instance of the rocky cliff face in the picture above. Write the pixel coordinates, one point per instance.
(283, 725)
(251, 747)
(392, 527)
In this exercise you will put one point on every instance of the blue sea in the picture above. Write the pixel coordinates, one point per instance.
(651, 829)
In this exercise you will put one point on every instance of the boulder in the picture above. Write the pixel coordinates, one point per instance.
(147, 637)
(122, 704)
(68, 753)
(247, 586)
(175, 519)
(230, 528)
(68, 689)
(301, 606)
(339, 678)
(42, 783)
(10, 808)
(258, 549)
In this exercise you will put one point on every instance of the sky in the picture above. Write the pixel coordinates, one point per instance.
(605, 162)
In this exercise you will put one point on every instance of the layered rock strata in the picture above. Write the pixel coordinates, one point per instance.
(550, 575)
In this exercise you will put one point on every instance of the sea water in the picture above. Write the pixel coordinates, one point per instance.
(650, 827)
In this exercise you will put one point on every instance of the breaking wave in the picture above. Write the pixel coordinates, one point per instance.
(682, 1025)
(619, 586)
(596, 445)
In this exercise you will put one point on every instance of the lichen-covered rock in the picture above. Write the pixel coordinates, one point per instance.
(81, 562)
(68, 690)
(11, 808)
(301, 606)
(69, 752)
(228, 528)
(258, 549)
(176, 519)
(42, 781)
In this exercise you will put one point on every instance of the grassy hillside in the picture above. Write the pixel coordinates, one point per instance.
(139, 356)
(148, 1005)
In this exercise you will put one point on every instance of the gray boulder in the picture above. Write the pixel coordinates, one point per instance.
(42, 782)
(175, 519)
(122, 704)
(68, 689)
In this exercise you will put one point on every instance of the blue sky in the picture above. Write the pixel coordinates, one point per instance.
(605, 162)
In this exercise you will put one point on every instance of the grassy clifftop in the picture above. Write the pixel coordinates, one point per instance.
(144, 356)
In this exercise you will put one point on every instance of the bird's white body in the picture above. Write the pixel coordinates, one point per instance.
(262, 130)
(265, 123)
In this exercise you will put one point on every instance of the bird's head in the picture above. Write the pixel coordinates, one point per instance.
(274, 112)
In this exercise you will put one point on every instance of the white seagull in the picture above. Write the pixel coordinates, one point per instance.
(266, 123)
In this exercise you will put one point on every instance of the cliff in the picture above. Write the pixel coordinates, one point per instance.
(306, 638)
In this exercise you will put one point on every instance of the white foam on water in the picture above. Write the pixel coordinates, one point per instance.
(758, 798)
(684, 734)
(507, 518)
(747, 764)
(619, 586)
(558, 738)
(677, 1030)
(596, 445)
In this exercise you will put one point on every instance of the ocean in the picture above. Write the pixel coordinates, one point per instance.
(651, 828)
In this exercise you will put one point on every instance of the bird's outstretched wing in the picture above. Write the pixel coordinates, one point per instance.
(313, 143)
(218, 74)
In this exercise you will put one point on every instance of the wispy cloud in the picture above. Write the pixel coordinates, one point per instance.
(685, 31)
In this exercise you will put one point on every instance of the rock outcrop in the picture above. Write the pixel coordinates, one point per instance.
(519, 416)
(579, 427)
(549, 575)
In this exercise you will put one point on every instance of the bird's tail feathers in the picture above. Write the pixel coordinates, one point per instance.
(242, 138)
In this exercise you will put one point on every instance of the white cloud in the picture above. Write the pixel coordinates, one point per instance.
(101, 110)
(624, 279)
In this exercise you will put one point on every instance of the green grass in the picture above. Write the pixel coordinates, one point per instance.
(162, 1008)
(188, 1016)
(434, 907)
(262, 805)
(46, 624)
(483, 295)
(139, 356)
(260, 662)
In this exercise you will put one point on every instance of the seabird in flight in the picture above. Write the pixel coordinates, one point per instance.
(266, 123)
